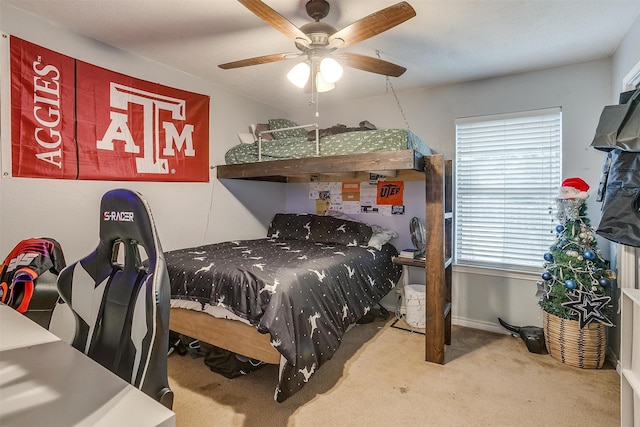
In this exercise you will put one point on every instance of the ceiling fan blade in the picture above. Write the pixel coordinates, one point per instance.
(277, 21)
(373, 65)
(372, 25)
(258, 60)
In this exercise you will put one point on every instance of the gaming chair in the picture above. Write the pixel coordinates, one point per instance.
(115, 304)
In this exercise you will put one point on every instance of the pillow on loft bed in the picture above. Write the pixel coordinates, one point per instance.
(285, 123)
(246, 138)
(340, 128)
(260, 127)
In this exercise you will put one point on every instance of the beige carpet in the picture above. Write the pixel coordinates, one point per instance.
(379, 377)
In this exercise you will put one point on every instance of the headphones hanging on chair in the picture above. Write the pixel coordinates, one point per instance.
(18, 294)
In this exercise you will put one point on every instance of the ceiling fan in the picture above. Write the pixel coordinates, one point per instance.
(318, 40)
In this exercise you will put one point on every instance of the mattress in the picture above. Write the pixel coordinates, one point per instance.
(340, 144)
(304, 294)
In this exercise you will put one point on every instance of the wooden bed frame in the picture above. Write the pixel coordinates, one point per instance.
(244, 339)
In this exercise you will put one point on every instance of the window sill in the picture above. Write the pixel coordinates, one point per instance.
(497, 272)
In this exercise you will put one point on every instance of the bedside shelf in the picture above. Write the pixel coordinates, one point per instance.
(413, 262)
(416, 262)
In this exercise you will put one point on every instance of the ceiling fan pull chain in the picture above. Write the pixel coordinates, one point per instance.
(390, 85)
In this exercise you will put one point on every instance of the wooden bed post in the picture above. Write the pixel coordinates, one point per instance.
(438, 257)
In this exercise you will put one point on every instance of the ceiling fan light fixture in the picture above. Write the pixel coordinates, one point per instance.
(299, 74)
(322, 85)
(330, 69)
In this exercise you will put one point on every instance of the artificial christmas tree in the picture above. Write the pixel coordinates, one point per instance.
(576, 285)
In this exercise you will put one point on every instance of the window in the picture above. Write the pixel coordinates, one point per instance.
(508, 171)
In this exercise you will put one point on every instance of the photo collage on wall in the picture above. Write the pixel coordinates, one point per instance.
(378, 197)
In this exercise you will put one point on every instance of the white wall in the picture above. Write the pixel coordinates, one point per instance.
(186, 214)
(481, 296)
(626, 58)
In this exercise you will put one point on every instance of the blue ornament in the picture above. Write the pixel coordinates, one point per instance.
(569, 284)
(546, 275)
(559, 228)
(589, 255)
(548, 257)
(604, 282)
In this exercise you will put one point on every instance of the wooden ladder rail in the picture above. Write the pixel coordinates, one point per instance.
(438, 263)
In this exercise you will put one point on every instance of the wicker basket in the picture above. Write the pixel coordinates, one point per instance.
(567, 343)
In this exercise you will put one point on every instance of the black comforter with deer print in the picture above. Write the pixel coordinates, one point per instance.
(304, 293)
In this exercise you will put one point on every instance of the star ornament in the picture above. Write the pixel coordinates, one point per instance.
(541, 289)
(589, 309)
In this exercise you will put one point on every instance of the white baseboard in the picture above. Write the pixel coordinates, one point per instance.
(461, 321)
(476, 324)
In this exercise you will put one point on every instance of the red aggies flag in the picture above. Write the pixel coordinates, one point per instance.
(73, 120)
(42, 117)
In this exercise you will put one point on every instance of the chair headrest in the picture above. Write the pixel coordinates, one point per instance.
(125, 215)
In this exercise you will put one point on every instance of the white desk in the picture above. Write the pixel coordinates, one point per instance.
(46, 382)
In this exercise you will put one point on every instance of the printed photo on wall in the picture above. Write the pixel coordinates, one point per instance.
(397, 210)
(390, 193)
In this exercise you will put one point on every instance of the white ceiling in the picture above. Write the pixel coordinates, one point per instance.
(449, 41)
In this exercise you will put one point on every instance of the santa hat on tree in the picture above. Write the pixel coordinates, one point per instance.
(574, 188)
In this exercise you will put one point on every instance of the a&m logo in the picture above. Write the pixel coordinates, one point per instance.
(151, 148)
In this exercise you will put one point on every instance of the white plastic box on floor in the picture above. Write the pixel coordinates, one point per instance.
(415, 301)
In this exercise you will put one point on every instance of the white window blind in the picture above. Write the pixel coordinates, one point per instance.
(508, 171)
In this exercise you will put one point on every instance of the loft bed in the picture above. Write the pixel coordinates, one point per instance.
(401, 164)
(405, 164)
